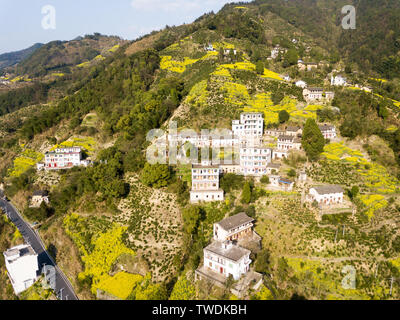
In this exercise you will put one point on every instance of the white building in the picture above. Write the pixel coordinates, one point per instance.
(338, 80)
(250, 125)
(301, 84)
(64, 158)
(328, 131)
(326, 195)
(313, 94)
(279, 183)
(227, 259)
(38, 198)
(205, 184)
(254, 160)
(273, 168)
(294, 131)
(22, 267)
(233, 228)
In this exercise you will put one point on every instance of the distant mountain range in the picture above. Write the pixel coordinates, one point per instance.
(10, 59)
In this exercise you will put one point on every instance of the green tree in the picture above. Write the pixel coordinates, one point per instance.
(313, 141)
(283, 116)
(265, 180)
(183, 290)
(260, 67)
(246, 193)
(291, 57)
(291, 173)
(155, 175)
(191, 217)
(262, 262)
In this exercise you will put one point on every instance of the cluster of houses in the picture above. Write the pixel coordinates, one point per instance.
(63, 158)
(250, 155)
(22, 267)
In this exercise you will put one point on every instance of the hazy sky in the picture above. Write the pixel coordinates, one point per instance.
(21, 20)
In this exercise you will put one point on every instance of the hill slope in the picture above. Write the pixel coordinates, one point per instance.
(11, 58)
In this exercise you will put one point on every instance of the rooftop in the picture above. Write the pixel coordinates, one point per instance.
(326, 127)
(41, 193)
(19, 251)
(273, 165)
(235, 221)
(230, 251)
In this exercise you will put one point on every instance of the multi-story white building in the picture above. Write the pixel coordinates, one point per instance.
(64, 158)
(254, 160)
(250, 125)
(289, 142)
(227, 259)
(233, 228)
(326, 195)
(22, 267)
(328, 131)
(205, 184)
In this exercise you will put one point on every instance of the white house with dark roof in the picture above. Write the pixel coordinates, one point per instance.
(313, 93)
(328, 131)
(233, 228)
(295, 131)
(326, 195)
(286, 142)
(38, 198)
(22, 267)
(273, 166)
(225, 258)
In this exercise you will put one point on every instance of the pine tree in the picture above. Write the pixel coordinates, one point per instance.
(313, 141)
(246, 193)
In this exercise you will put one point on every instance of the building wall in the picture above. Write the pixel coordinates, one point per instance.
(206, 196)
(254, 161)
(326, 198)
(234, 234)
(225, 266)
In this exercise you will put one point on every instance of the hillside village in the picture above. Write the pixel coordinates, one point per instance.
(275, 169)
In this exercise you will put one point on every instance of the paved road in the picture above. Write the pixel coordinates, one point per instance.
(64, 288)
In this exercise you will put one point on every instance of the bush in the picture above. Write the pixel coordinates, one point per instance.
(265, 180)
(156, 176)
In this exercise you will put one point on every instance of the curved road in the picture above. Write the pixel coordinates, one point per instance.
(63, 288)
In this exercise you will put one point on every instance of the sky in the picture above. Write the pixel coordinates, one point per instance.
(23, 24)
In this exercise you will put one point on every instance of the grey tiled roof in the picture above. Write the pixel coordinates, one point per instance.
(329, 189)
(235, 221)
(234, 252)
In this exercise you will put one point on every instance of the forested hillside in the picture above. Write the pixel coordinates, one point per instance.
(123, 228)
